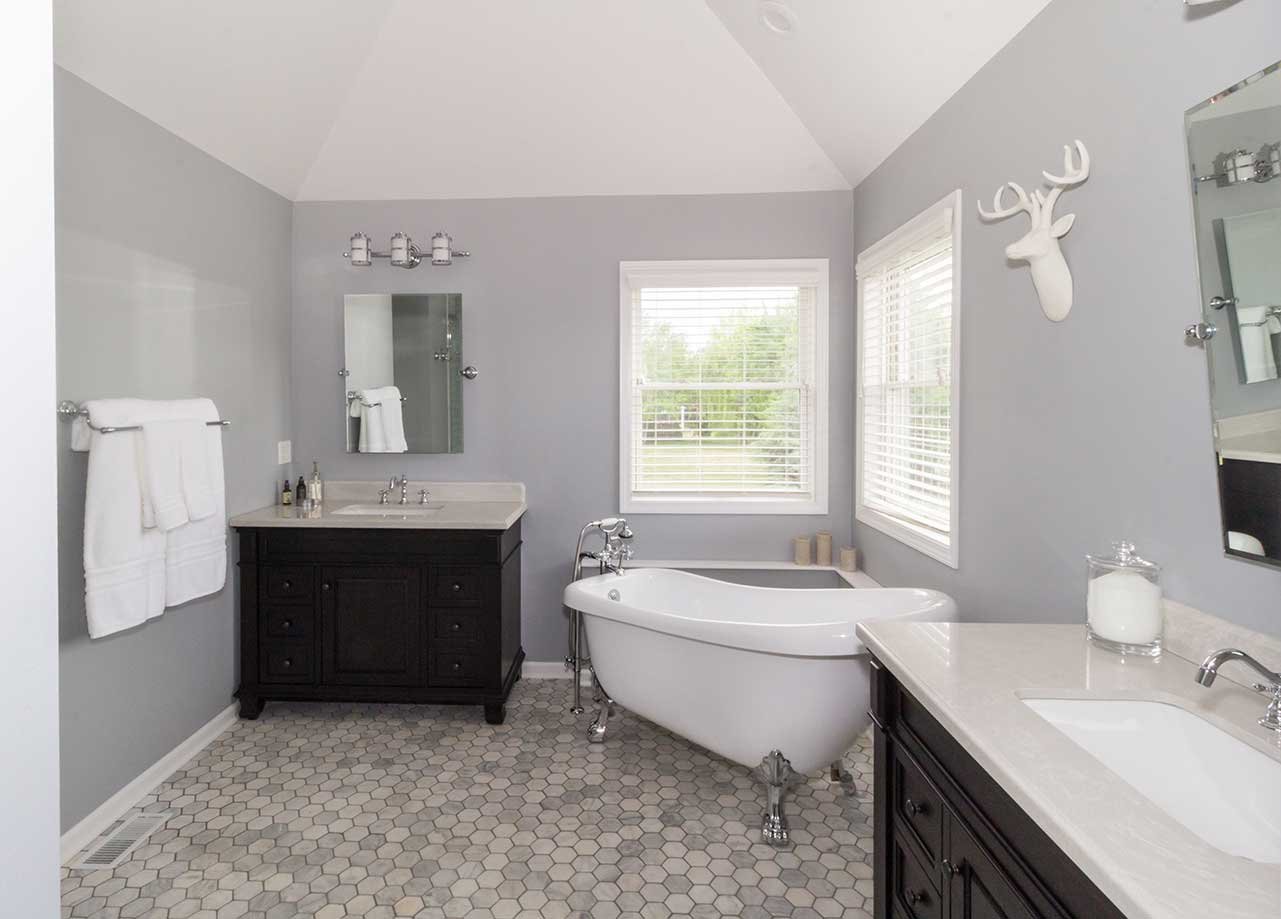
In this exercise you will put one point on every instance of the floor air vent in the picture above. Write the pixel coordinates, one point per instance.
(116, 846)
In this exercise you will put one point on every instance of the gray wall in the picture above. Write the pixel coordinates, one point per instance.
(1079, 433)
(540, 321)
(1207, 139)
(173, 281)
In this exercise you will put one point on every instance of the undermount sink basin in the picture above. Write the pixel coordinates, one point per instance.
(1223, 790)
(390, 511)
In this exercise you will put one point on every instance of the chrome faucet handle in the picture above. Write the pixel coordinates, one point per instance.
(423, 496)
(383, 495)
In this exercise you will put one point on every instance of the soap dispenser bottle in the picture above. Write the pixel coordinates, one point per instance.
(316, 490)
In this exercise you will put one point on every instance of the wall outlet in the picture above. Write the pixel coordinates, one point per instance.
(284, 452)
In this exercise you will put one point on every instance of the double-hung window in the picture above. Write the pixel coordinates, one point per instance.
(723, 395)
(907, 394)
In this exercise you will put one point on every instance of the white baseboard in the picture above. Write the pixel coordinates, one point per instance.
(119, 804)
(550, 670)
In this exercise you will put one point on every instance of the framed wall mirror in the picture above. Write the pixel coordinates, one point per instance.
(1234, 145)
(403, 362)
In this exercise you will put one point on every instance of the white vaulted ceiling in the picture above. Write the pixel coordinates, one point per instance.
(325, 100)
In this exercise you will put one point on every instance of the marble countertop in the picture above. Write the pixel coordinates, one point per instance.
(464, 506)
(972, 678)
(1259, 447)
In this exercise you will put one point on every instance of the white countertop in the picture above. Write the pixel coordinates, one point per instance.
(465, 506)
(1259, 447)
(1255, 437)
(972, 677)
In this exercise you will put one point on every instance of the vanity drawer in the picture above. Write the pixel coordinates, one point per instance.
(457, 586)
(286, 622)
(287, 582)
(457, 625)
(918, 806)
(457, 668)
(914, 891)
(285, 662)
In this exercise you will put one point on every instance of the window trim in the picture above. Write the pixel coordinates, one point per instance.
(810, 272)
(901, 530)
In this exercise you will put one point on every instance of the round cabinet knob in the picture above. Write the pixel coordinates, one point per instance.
(286, 625)
(287, 663)
(456, 587)
(455, 626)
(913, 808)
(950, 869)
(326, 586)
(457, 666)
(287, 584)
(914, 897)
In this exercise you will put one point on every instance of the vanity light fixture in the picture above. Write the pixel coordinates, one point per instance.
(402, 252)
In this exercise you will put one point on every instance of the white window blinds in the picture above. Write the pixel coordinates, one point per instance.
(907, 362)
(721, 397)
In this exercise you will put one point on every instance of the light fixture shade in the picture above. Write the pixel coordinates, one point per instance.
(401, 246)
(360, 251)
(441, 251)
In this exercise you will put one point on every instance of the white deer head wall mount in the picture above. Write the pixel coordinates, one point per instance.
(1040, 247)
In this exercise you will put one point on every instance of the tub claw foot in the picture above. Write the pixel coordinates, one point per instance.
(776, 772)
(596, 733)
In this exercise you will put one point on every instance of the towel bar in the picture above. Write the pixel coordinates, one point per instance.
(353, 397)
(68, 411)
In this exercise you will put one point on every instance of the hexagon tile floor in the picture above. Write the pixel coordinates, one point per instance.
(381, 811)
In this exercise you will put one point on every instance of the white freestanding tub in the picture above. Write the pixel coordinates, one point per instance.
(747, 672)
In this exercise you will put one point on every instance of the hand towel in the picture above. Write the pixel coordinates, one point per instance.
(196, 552)
(1256, 328)
(166, 447)
(124, 563)
(392, 417)
(371, 423)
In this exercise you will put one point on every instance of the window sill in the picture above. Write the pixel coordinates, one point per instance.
(724, 506)
(910, 536)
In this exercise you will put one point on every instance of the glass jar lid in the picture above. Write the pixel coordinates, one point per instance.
(1124, 556)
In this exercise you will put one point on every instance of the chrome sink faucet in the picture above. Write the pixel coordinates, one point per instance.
(1271, 685)
(404, 488)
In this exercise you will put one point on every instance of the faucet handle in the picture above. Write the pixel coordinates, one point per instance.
(423, 496)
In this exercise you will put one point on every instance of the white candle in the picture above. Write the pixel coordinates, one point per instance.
(1124, 606)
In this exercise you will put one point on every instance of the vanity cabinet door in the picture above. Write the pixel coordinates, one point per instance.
(372, 622)
(978, 888)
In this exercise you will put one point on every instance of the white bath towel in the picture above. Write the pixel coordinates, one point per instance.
(196, 553)
(124, 562)
(1257, 327)
(382, 422)
(176, 487)
(133, 572)
(393, 419)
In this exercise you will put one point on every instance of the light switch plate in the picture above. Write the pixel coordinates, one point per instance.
(284, 452)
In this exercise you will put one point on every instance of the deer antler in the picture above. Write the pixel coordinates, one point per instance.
(1023, 203)
(1072, 175)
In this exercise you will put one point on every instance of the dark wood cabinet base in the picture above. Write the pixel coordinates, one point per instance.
(407, 616)
(950, 843)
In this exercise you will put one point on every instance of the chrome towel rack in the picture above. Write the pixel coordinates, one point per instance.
(69, 411)
(353, 396)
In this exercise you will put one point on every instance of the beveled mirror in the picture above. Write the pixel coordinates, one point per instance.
(1234, 146)
(403, 373)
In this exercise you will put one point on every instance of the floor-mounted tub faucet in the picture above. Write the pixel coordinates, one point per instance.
(612, 556)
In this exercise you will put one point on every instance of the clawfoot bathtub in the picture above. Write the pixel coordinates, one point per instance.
(759, 675)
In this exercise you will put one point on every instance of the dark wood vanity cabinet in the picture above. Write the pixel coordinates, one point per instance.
(949, 842)
(379, 615)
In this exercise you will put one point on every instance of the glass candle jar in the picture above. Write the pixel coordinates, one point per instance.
(1123, 602)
